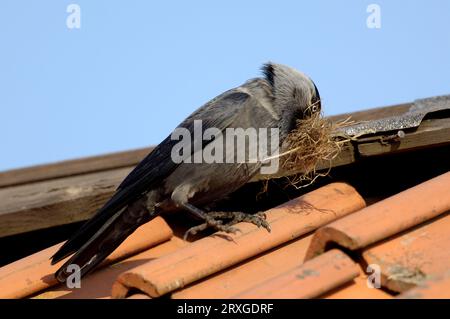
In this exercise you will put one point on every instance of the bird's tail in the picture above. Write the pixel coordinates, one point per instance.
(109, 236)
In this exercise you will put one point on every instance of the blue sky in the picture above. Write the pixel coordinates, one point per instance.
(135, 69)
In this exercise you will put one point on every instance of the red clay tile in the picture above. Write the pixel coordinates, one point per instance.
(386, 218)
(357, 289)
(34, 273)
(435, 288)
(312, 279)
(220, 251)
(247, 275)
(414, 257)
(99, 283)
(139, 296)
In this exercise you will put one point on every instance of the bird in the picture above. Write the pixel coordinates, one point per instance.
(158, 184)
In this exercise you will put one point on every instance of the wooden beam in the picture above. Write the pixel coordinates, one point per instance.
(55, 202)
(374, 113)
(72, 167)
(430, 133)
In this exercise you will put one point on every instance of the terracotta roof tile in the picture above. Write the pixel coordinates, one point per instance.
(312, 279)
(435, 288)
(215, 253)
(357, 289)
(139, 296)
(244, 276)
(99, 283)
(417, 255)
(34, 273)
(406, 235)
(386, 218)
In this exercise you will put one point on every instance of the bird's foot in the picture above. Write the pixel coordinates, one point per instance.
(215, 220)
(258, 219)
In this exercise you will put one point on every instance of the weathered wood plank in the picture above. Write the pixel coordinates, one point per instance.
(56, 202)
(374, 113)
(429, 133)
(72, 167)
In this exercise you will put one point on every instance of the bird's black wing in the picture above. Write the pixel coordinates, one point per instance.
(219, 113)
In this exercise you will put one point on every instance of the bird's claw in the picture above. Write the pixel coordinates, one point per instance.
(214, 220)
(260, 220)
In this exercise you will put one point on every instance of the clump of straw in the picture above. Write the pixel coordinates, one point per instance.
(311, 143)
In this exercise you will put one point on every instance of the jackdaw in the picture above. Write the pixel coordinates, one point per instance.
(159, 184)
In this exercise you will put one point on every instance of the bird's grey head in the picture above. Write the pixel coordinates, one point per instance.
(292, 90)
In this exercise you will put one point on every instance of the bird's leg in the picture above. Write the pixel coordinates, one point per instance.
(210, 221)
(215, 220)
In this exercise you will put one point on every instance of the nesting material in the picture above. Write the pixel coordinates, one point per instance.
(312, 142)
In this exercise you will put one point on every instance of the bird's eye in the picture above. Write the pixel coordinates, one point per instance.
(314, 108)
